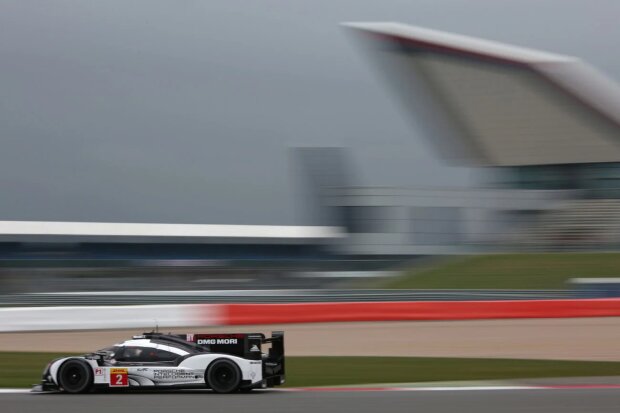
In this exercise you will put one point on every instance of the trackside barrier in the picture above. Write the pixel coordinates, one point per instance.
(194, 315)
(236, 314)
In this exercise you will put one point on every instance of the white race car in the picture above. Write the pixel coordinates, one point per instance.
(224, 363)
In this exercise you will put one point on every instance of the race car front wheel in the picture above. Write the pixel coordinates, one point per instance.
(223, 376)
(75, 376)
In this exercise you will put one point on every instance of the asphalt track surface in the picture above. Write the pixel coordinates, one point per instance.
(448, 401)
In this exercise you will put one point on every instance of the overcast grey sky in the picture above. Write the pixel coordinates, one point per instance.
(184, 111)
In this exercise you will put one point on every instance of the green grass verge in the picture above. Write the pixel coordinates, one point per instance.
(24, 369)
(19, 369)
(328, 371)
(510, 271)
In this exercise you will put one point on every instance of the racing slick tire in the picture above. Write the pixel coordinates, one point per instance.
(75, 376)
(223, 376)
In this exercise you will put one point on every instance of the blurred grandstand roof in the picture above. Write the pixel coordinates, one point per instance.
(39, 231)
(491, 104)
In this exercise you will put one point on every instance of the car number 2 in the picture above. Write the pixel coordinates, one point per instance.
(119, 377)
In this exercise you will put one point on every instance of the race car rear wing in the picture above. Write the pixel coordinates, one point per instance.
(273, 365)
(277, 343)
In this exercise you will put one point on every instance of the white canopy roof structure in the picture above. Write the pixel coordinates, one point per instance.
(128, 232)
(491, 104)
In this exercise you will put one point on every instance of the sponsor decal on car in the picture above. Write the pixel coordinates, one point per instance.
(174, 374)
(217, 341)
(99, 371)
(119, 377)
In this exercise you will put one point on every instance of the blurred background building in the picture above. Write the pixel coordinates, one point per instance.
(541, 130)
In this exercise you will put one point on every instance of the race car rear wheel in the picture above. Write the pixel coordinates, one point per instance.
(223, 376)
(75, 376)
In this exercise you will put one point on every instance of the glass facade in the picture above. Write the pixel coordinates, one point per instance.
(594, 180)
